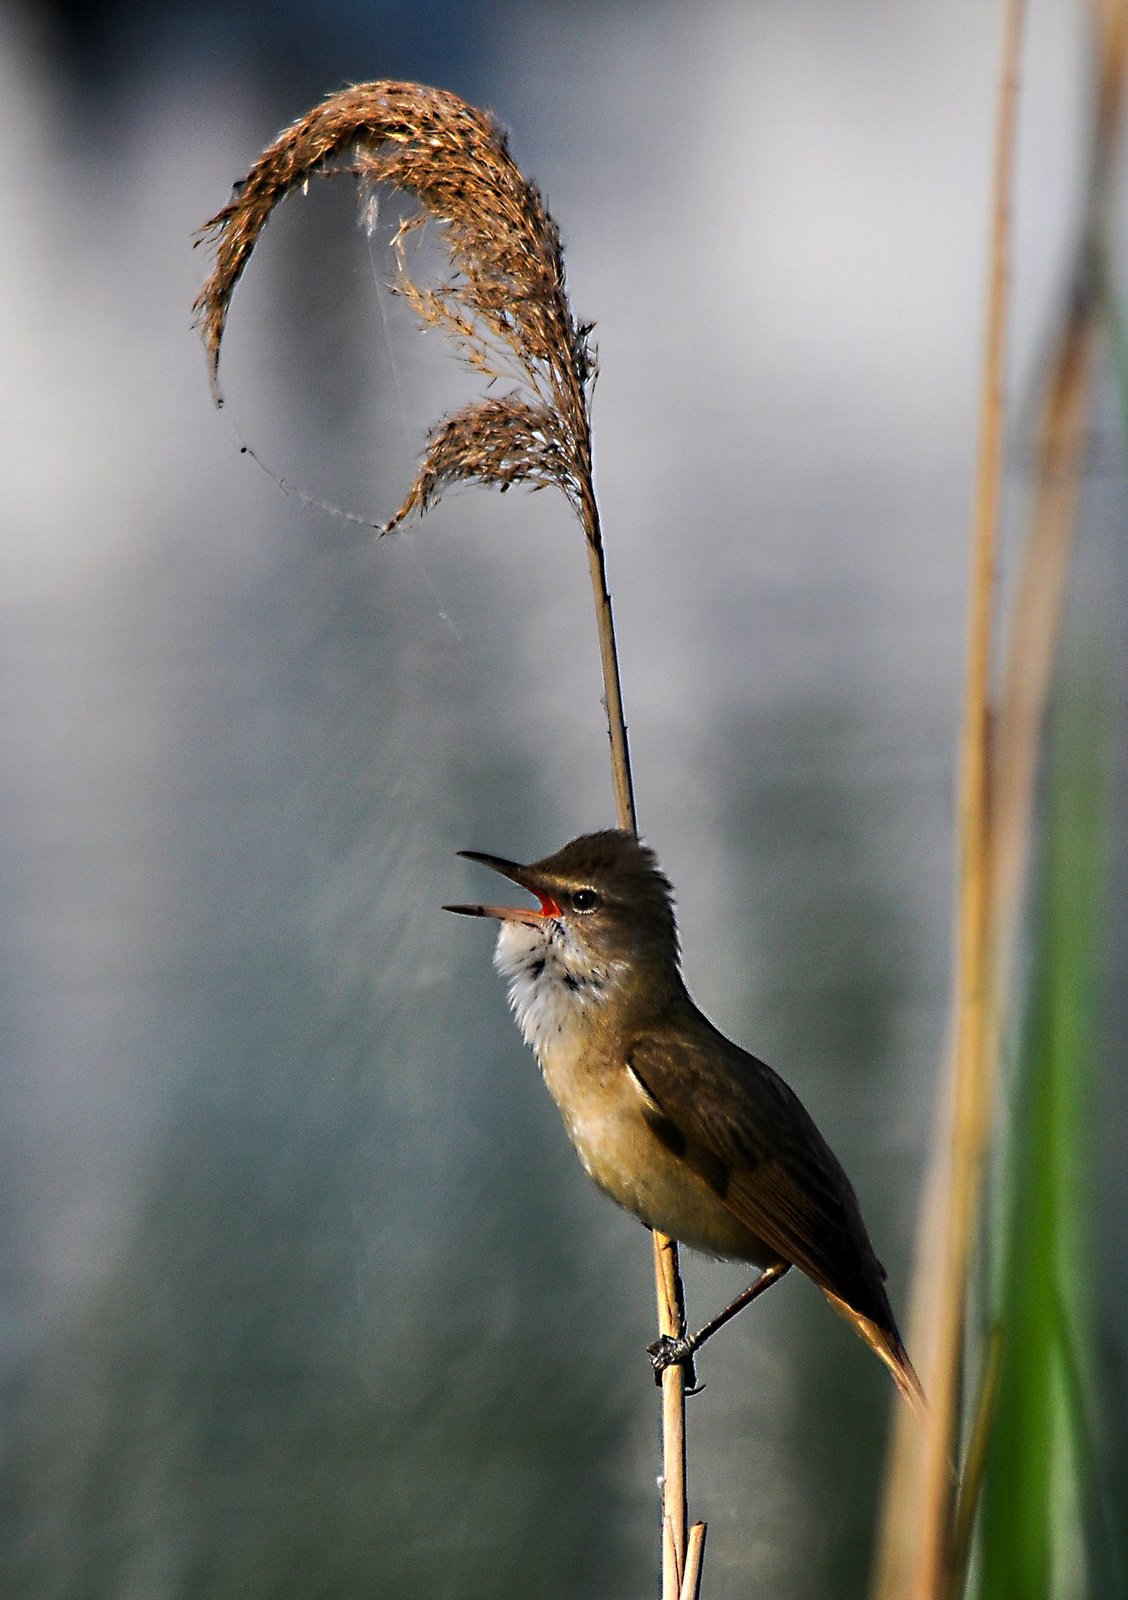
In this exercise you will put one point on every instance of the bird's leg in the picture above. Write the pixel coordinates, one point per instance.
(664, 1352)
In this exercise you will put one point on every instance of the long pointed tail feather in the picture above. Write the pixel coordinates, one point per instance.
(886, 1344)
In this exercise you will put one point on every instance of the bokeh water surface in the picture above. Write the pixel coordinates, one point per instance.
(304, 1293)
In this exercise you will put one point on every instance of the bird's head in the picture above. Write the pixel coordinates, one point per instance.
(603, 893)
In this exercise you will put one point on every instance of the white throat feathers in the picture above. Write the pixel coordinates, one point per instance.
(552, 980)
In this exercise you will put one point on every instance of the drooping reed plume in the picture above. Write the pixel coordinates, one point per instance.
(503, 302)
(504, 305)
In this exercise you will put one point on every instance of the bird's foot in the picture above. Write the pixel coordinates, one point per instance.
(667, 1352)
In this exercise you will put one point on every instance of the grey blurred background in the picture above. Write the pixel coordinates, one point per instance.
(304, 1293)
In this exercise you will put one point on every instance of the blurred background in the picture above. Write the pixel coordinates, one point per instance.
(303, 1291)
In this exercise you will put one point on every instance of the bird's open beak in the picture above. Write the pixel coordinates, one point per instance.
(517, 874)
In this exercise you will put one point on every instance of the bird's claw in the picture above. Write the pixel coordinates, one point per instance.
(668, 1352)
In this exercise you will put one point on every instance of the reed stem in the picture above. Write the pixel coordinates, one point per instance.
(1032, 644)
(621, 777)
(667, 1278)
(969, 1103)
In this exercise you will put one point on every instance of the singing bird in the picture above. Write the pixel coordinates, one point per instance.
(699, 1139)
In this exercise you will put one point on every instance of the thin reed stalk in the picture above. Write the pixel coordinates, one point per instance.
(913, 1518)
(970, 1103)
(914, 1556)
(506, 309)
(1036, 617)
(1033, 634)
(694, 1557)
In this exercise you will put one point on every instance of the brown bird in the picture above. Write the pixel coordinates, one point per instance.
(692, 1134)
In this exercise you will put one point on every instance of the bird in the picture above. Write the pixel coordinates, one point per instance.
(695, 1136)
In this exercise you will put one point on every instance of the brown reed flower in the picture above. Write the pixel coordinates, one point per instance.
(503, 302)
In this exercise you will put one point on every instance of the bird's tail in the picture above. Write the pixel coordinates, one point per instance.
(886, 1343)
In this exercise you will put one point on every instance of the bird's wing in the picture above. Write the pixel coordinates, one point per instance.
(748, 1135)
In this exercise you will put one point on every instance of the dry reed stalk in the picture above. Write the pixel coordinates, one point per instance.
(1032, 644)
(506, 308)
(1039, 601)
(694, 1557)
(1036, 620)
(969, 1099)
(671, 1323)
(900, 1517)
(1033, 637)
(975, 1459)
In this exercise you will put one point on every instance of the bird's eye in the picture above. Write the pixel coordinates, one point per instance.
(584, 900)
